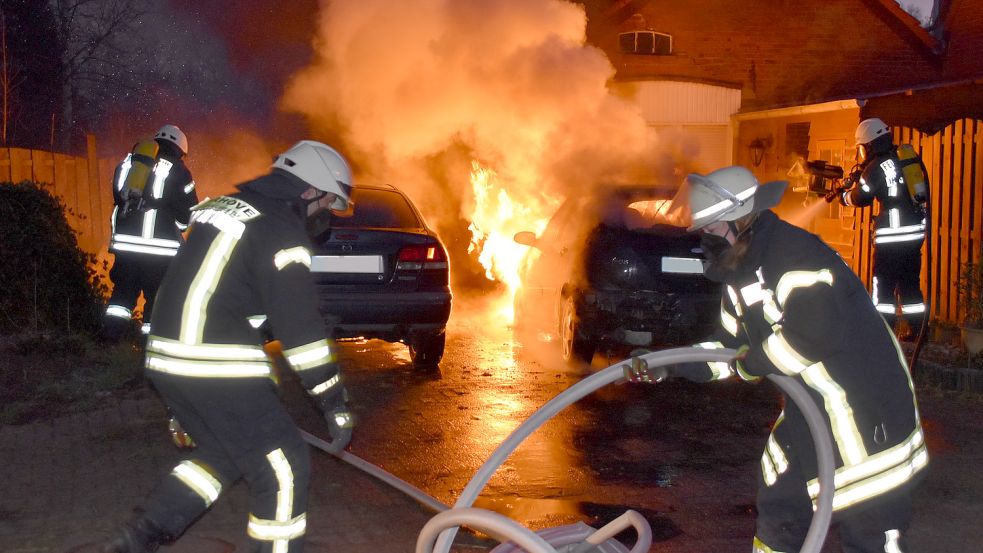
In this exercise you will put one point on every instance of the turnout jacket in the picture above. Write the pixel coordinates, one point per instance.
(246, 261)
(901, 219)
(168, 197)
(801, 312)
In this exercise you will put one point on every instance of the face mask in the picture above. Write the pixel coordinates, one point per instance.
(315, 206)
(714, 246)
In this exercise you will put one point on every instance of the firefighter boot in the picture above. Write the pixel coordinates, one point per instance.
(139, 535)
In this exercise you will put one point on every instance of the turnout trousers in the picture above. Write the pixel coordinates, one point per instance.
(785, 511)
(897, 282)
(241, 430)
(133, 273)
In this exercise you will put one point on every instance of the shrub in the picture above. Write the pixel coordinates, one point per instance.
(49, 284)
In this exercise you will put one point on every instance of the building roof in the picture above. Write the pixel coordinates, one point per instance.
(782, 53)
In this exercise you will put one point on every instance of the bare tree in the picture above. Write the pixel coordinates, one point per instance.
(96, 61)
(8, 77)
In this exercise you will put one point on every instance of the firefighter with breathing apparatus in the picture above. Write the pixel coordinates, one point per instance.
(896, 178)
(246, 263)
(153, 192)
(794, 308)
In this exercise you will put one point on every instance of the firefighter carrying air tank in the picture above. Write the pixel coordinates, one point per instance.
(896, 178)
(154, 192)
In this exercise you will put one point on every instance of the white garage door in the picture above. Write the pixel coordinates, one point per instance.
(693, 118)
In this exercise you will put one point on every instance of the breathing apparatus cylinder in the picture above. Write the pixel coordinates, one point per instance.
(143, 157)
(914, 174)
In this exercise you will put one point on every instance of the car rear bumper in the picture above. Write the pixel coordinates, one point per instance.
(648, 318)
(393, 317)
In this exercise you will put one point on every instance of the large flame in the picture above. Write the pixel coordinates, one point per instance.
(497, 217)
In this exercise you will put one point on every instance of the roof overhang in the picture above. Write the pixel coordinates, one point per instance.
(928, 109)
(792, 111)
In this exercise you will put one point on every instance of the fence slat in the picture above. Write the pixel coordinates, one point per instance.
(70, 179)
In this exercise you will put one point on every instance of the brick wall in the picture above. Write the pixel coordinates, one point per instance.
(780, 52)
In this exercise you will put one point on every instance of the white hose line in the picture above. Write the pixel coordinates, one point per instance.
(565, 398)
(823, 441)
(381, 474)
(630, 518)
(500, 527)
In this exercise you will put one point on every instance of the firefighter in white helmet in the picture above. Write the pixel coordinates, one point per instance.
(246, 261)
(793, 308)
(153, 192)
(899, 228)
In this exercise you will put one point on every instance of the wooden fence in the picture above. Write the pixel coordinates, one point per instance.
(954, 159)
(80, 182)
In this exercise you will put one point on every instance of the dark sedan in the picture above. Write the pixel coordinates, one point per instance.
(382, 273)
(613, 269)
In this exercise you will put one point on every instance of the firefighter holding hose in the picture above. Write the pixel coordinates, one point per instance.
(247, 259)
(794, 308)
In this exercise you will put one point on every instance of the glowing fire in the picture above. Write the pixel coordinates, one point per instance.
(496, 218)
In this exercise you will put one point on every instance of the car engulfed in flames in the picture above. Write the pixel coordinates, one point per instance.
(614, 269)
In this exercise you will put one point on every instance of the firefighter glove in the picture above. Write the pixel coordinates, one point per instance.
(340, 419)
(341, 422)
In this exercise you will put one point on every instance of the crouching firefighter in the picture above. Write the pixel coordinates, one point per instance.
(153, 192)
(792, 307)
(247, 258)
(896, 178)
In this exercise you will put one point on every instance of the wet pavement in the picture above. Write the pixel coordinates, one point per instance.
(682, 454)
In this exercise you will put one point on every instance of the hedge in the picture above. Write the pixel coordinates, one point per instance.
(47, 283)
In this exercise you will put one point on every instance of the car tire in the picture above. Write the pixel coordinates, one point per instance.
(576, 347)
(427, 350)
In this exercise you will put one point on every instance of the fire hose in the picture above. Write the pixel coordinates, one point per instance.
(923, 328)
(438, 534)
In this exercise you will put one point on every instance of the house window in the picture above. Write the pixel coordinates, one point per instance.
(797, 140)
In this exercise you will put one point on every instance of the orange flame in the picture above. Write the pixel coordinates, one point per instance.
(497, 216)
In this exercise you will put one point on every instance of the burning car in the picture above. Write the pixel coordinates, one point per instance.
(614, 268)
(381, 272)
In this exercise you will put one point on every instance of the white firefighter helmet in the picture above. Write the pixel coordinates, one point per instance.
(175, 136)
(320, 166)
(869, 129)
(728, 194)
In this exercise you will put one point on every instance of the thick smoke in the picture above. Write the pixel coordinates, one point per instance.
(416, 90)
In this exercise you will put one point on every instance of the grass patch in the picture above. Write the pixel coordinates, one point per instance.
(45, 376)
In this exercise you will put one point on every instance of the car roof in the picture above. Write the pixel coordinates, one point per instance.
(376, 186)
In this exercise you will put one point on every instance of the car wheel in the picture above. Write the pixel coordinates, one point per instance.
(427, 350)
(576, 348)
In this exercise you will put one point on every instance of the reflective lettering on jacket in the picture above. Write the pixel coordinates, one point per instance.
(147, 242)
(285, 526)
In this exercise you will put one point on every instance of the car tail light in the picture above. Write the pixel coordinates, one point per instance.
(421, 256)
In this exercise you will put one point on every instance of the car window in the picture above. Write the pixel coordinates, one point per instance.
(378, 209)
(640, 211)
